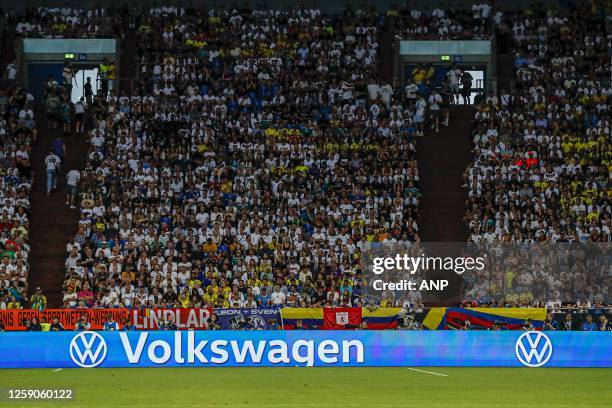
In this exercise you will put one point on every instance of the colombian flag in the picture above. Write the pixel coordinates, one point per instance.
(452, 318)
(311, 318)
(381, 318)
(340, 318)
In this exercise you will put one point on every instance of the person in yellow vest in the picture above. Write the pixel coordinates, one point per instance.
(419, 74)
(103, 75)
(45, 324)
(38, 301)
(111, 75)
(14, 304)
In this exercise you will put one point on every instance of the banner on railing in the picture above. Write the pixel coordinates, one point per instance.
(141, 319)
(340, 318)
(287, 318)
(14, 320)
(184, 319)
(247, 319)
(483, 318)
(302, 318)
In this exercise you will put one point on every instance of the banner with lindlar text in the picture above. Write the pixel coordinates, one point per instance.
(140, 319)
(184, 319)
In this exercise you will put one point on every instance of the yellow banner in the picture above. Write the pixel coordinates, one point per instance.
(299, 313)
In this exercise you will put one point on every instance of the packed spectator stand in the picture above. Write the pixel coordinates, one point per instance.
(542, 149)
(541, 165)
(445, 23)
(17, 134)
(259, 152)
(67, 22)
(247, 166)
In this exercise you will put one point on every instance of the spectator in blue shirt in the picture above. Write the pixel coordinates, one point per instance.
(264, 297)
(589, 325)
(111, 324)
(59, 147)
(550, 323)
(127, 325)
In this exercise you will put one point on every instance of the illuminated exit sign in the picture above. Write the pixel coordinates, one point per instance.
(455, 58)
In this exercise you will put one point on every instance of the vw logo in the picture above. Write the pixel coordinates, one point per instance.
(533, 349)
(88, 349)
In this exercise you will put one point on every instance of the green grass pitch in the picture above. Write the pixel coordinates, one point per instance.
(317, 387)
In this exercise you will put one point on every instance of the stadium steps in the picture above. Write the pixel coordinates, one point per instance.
(127, 63)
(52, 223)
(387, 51)
(505, 72)
(442, 159)
(8, 46)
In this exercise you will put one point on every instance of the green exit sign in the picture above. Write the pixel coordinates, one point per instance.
(445, 57)
(69, 56)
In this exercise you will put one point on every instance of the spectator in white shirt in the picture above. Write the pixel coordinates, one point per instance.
(277, 297)
(72, 180)
(411, 91)
(419, 115)
(52, 162)
(435, 100)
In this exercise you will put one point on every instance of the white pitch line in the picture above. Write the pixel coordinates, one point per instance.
(57, 369)
(428, 372)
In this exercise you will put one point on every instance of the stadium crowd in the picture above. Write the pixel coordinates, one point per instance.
(17, 133)
(542, 154)
(542, 151)
(67, 22)
(444, 23)
(260, 151)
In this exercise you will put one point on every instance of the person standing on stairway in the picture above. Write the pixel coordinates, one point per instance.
(112, 76)
(435, 99)
(466, 81)
(53, 104)
(419, 115)
(79, 114)
(10, 75)
(67, 115)
(52, 163)
(452, 77)
(447, 97)
(68, 75)
(72, 180)
(411, 92)
(59, 148)
(88, 91)
(103, 75)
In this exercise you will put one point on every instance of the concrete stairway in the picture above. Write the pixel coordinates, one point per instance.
(442, 159)
(53, 224)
